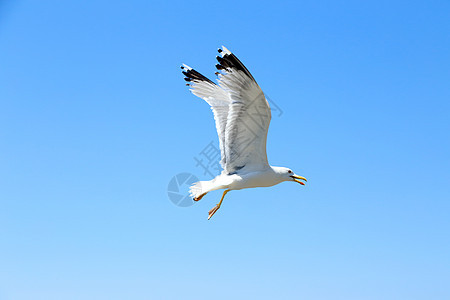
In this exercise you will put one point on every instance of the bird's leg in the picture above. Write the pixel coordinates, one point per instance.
(216, 208)
(200, 197)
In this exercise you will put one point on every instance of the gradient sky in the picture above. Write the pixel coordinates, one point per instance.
(95, 120)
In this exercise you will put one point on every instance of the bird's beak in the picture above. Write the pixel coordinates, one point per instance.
(296, 177)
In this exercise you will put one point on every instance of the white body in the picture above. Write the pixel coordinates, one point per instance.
(242, 116)
(245, 179)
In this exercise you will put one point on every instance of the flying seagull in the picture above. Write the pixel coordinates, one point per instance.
(242, 116)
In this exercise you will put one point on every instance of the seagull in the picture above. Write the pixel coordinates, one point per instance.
(242, 116)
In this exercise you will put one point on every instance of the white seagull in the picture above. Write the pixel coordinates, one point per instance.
(242, 116)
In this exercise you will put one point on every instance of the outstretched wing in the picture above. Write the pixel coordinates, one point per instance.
(248, 116)
(216, 97)
(241, 112)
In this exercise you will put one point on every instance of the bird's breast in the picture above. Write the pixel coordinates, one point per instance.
(253, 180)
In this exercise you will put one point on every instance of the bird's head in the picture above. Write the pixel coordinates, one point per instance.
(287, 174)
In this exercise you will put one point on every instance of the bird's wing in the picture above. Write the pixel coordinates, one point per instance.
(216, 97)
(248, 116)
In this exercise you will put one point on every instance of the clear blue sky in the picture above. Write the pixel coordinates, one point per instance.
(95, 120)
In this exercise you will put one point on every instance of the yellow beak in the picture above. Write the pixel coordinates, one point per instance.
(295, 177)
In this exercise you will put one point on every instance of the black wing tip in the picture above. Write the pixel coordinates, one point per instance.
(220, 67)
(192, 75)
(229, 61)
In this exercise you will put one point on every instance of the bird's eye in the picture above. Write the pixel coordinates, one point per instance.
(289, 171)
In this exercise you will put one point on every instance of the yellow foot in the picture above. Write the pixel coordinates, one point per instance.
(199, 197)
(213, 211)
(216, 208)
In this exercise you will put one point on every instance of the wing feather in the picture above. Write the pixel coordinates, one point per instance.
(248, 116)
(216, 97)
(241, 112)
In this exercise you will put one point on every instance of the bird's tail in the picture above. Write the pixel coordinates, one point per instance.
(200, 188)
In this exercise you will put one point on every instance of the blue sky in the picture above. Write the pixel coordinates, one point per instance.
(95, 120)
